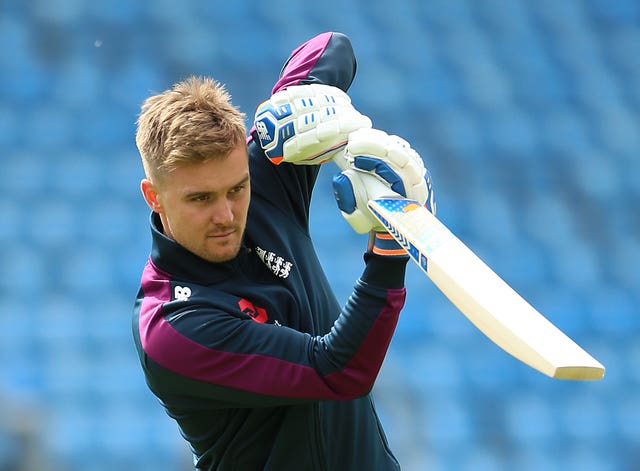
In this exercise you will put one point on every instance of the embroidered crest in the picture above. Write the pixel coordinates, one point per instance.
(278, 265)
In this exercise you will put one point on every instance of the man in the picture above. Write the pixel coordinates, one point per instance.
(237, 329)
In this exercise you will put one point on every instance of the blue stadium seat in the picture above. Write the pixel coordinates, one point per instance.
(59, 12)
(595, 458)
(487, 369)
(117, 13)
(625, 257)
(79, 82)
(563, 132)
(434, 367)
(12, 227)
(53, 224)
(24, 80)
(626, 417)
(110, 222)
(19, 347)
(612, 310)
(513, 133)
(457, 129)
(530, 420)
(623, 11)
(447, 425)
(584, 419)
(51, 127)
(531, 459)
(441, 15)
(480, 459)
(71, 434)
(10, 131)
(23, 271)
(25, 175)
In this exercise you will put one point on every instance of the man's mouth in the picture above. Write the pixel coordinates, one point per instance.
(221, 234)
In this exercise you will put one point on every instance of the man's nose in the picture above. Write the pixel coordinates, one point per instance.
(222, 212)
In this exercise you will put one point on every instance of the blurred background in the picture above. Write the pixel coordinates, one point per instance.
(527, 114)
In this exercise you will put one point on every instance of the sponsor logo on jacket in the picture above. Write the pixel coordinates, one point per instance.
(258, 314)
(181, 293)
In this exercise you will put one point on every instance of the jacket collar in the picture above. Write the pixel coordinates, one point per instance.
(180, 263)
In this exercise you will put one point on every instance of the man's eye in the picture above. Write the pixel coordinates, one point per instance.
(200, 198)
(237, 189)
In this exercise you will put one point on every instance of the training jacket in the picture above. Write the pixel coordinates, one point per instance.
(254, 358)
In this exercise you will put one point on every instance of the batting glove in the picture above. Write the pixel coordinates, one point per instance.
(307, 124)
(379, 166)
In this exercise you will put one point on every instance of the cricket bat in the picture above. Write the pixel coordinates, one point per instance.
(481, 295)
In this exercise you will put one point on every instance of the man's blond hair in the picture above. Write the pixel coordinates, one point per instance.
(192, 122)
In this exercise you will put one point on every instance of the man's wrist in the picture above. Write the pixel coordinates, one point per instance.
(384, 271)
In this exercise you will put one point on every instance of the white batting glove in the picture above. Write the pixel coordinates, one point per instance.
(379, 166)
(307, 124)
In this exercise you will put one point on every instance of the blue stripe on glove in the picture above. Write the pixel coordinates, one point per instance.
(382, 169)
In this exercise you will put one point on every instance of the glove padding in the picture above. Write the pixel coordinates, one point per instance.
(379, 166)
(307, 124)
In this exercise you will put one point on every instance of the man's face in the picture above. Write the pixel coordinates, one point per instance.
(203, 206)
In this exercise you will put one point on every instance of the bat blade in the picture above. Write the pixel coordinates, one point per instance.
(481, 295)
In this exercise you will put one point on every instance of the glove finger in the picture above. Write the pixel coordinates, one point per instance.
(414, 172)
(324, 93)
(326, 114)
(398, 156)
(343, 193)
(368, 141)
(397, 141)
(419, 193)
(338, 120)
(382, 169)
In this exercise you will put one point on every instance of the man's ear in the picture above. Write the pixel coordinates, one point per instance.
(150, 195)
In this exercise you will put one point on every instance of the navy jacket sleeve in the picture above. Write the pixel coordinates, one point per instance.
(327, 58)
